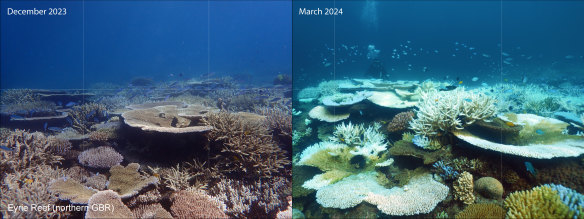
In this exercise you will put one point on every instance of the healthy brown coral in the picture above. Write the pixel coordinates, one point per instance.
(25, 150)
(127, 181)
(100, 157)
(247, 148)
(111, 199)
(489, 187)
(400, 122)
(190, 204)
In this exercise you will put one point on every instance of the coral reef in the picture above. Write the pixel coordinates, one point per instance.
(168, 119)
(321, 113)
(260, 199)
(246, 146)
(26, 149)
(29, 186)
(463, 188)
(482, 210)
(191, 204)
(82, 117)
(100, 157)
(107, 198)
(70, 189)
(400, 122)
(445, 111)
(489, 187)
(127, 181)
(539, 202)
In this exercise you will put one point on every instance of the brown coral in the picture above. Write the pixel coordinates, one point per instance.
(539, 202)
(127, 181)
(247, 148)
(482, 210)
(400, 122)
(100, 157)
(29, 186)
(190, 204)
(463, 188)
(489, 187)
(25, 150)
(154, 210)
(72, 190)
(254, 199)
(110, 200)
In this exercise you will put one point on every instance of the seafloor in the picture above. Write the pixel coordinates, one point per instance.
(199, 148)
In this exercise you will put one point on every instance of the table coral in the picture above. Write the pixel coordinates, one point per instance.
(127, 181)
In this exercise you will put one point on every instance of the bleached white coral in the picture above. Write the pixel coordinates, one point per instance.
(448, 110)
(347, 134)
(367, 142)
(315, 148)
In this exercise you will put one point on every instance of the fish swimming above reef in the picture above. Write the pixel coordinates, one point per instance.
(6, 148)
(530, 168)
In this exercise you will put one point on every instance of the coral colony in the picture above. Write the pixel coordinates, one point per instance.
(433, 149)
(182, 149)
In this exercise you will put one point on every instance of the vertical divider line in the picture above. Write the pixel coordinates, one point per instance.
(501, 76)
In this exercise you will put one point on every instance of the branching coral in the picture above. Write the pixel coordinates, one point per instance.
(100, 157)
(367, 142)
(539, 202)
(246, 146)
(86, 115)
(10, 96)
(27, 149)
(29, 186)
(279, 119)
(449, 110)
(255, 199)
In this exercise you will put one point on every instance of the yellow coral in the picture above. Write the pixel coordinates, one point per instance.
(539, 202)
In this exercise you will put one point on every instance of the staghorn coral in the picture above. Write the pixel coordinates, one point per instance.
(100, 157)
(84, 116)
(400, 122)
(279, 119)
(286, 214)
(482, 210)
(463, 188)
(29, 186)
(107, 198)
(368, 142)
(38, 108)
(196, 204)
(246, 146)
(58, 146)
(255, 199)
(450, 110)
(127, 181)
(539, 202)
(25, 150)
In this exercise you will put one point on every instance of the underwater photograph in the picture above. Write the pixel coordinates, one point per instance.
(146, 109)
(438, 109)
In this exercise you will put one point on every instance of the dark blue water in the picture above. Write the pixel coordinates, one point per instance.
(115, 41)
(542, 38)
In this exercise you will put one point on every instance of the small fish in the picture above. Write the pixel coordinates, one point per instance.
(361, 112)
(459, 82)
(104, 113)
(90, 114)
(467, 100)
(475, 79)
(436, 100)
(510, 124)
(6, 148)
(530, 168)
(15, 117)
(55, 129)
(45, 126)
(28, 181)
(539, 132)
(70, 104)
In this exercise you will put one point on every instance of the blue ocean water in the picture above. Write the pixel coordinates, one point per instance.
(115, 41)
(443, 38)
